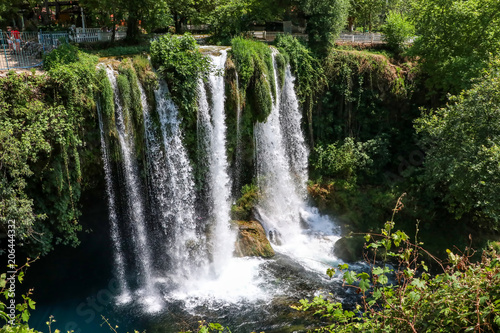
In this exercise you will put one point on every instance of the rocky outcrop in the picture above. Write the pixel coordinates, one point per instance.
(252, 241)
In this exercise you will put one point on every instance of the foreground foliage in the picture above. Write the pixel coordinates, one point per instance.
(398, 294)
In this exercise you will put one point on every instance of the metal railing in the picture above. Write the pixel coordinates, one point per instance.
(361, 38)
(89, 35)
(28, 50)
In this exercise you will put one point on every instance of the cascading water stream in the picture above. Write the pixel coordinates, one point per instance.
(281, 155)
(135, 208)
(296, 149)
(212, 119)
(280, 206)
(238, 152)
(113, 218)
(185, 247)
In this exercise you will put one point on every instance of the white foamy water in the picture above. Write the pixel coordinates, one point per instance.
(294, 228)
(238, 281)
(211, 120)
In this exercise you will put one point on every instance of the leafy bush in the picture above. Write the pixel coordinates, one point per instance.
(463, 154)
(180, 63)
(242, 210)
(350, 159)
(64, 54)
(46, 119)
(464, 297)
(397, 31)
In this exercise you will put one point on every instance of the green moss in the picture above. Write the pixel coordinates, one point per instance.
(147, 77)
(281, 62)
(132, 105)
(254, 65)
(243, 208)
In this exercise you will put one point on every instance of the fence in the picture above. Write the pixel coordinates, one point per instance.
(81, 35)
(28, 51)
(372, 38)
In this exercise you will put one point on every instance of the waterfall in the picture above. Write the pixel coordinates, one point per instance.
(113, 219)
(296, 149)
(135, 205)
(211, 119)
(176, 239)
(185, 248)
(291, 224)
(280, 206)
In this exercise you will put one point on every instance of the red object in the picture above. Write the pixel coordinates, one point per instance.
(16, 34)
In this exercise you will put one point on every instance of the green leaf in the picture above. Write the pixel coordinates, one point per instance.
(418, 283)
(350, 277)
(25, 316)
(364, 284)
(31, 303)
(382, 279)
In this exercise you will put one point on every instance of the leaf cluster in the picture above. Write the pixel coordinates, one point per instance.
(464, 297)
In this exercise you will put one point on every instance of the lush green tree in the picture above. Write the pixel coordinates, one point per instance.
(367, 13)
(325, 20)
(231, 17)
(398, 30)
(462, 166)
(456, 40)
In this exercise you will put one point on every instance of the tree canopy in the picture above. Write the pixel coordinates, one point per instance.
(456, 40)
(463, 159)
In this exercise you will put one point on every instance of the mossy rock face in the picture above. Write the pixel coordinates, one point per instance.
(350, 248)
(252, 241)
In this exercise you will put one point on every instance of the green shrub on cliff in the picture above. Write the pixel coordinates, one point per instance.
(180, 63)
(46, 120)
(242, 210)
(254, 65)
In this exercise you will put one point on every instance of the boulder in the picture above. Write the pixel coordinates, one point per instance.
(350, 248)
(252, 241)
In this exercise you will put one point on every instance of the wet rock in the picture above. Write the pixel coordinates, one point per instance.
(350, 248)
(252, 241)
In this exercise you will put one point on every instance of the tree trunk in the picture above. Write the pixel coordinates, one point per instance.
(132, 28)
(178, 25)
